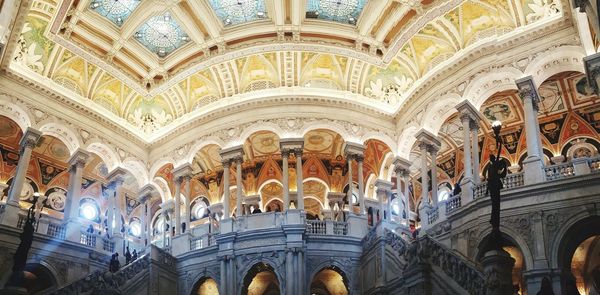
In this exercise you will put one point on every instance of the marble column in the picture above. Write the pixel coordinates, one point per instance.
(28, 142)
(118, 183)
(350, 185)
(434, 183)
(115, 179)
(299, 180)
(110, 218)
(76, 164)
(165, 216)
(424, 177)
(188, 196)
(474, 125)
(468, 157)
(71, 217)
(406, 176)
(177, 204)
(399, 193)
(285, 154)
(226, 192)
(384, 189)
(240, 187)
(361, 184)
(533, 164)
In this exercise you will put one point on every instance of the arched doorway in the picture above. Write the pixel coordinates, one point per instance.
(329, 281)
(576, 253)
(261, 280)
(38, 279)
(205, 286)
(509, 245)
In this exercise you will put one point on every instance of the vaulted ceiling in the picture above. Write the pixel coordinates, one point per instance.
(150, 62)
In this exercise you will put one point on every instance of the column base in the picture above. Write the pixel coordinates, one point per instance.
(10, 216)
(533, 170)
(467, 186)
(357, 226)
(497, 267)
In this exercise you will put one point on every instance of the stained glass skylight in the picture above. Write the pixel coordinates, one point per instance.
(233, 12)
(117, 11)
(343, 11)
(161, 35)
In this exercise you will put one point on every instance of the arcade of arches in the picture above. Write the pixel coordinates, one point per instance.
(299, 147)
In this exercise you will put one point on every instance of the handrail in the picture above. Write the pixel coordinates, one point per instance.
(463, 271)
(101, 282)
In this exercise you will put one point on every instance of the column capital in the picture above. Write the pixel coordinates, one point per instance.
(359, 158)
(285, 153)
(232, 154)
(591, 63)
(30, 138)
(426, 137)
(146, 193)
(474, 126)
(182, 171)
(468, 111)
(292, 145)
(353, 148)
(383, 185)
(117, 175)
(79, 158)
(401, 164)
(528, 89)
(433, 149)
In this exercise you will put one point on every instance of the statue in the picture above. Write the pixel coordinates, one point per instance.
(496, 172)
(20, 256)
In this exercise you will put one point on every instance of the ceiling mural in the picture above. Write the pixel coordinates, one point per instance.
(151, 63)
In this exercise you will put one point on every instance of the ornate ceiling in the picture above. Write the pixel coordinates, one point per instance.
(148, 64)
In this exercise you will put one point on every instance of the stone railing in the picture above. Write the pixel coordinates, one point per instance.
(433, 215)
(207, 240)
(514, 180)
(108, 245)
(57, 231)
(465, 273)
(326, 227)
(480, 190)
(106, 282)
(88, 239)
(594, 164)
(316, 227)
(340, 228)
(453, 203)
(559, 171)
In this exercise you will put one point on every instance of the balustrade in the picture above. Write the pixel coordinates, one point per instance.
(480, 190)
(514, 180)
(340, 228)
(433, 215)
(594, 164)
(108, 245)
(316, 227)
(559, 171)
(453, 203)
(88, 239)
(57, 231)
(207, 240)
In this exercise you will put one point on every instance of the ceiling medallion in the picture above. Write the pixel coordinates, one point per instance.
(346, 11)
(117, 11)
(161, 35)
(233, 12)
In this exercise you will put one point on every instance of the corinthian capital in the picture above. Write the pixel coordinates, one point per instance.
(30, 139)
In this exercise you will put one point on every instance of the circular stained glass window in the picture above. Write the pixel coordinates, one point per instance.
(136, 228)
(89, 211)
